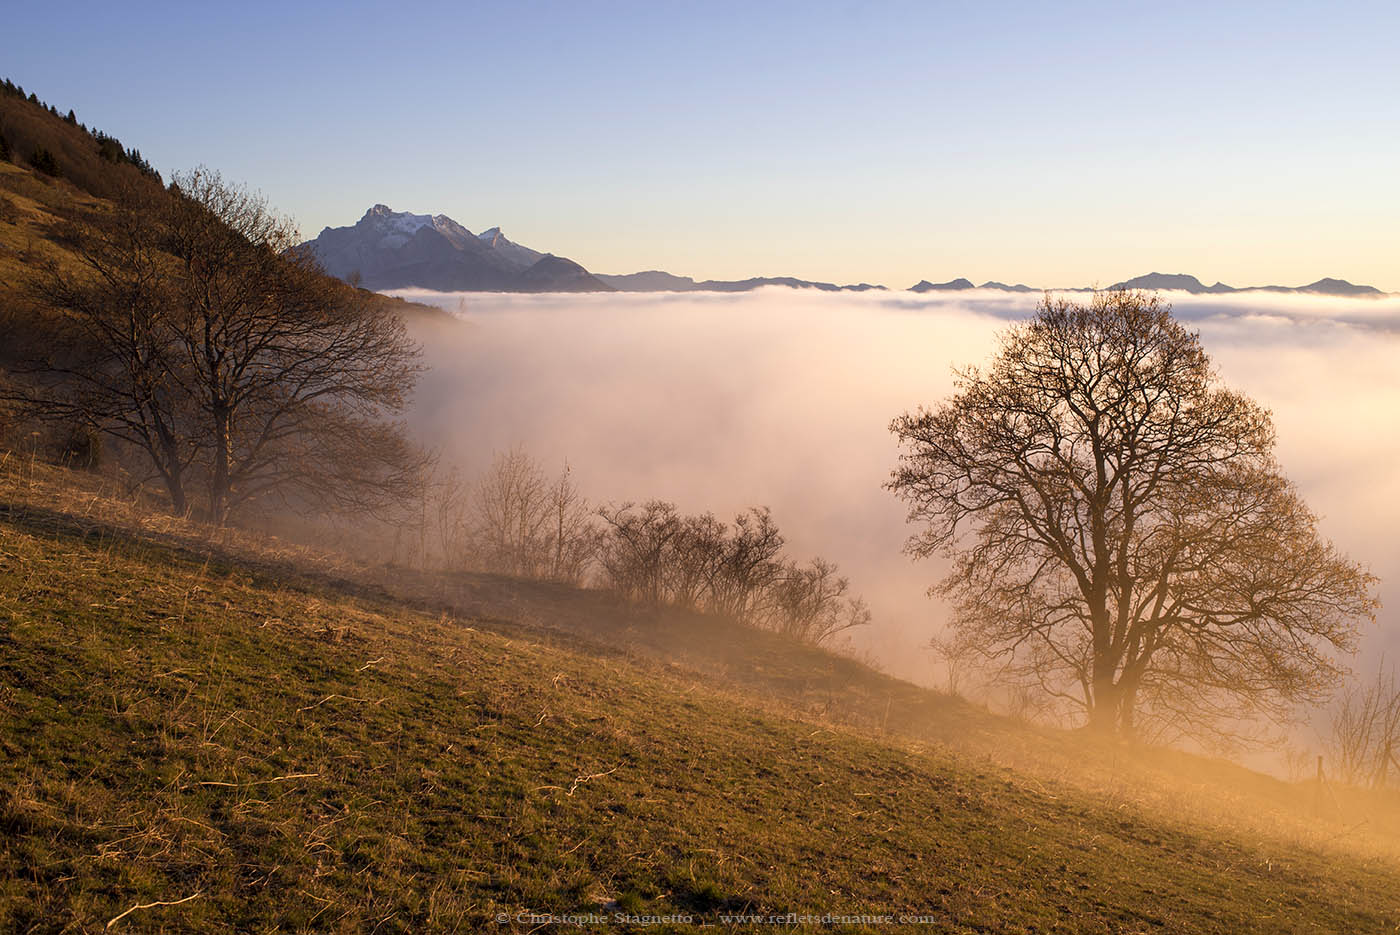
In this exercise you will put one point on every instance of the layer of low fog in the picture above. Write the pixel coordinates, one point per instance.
(783, 398)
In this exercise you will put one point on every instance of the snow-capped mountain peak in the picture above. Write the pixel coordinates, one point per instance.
(388, 249)
(396, 228)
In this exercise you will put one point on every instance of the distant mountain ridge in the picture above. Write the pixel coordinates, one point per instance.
(1183, 283)
(658, 281)
(952, 285)
(389, 249)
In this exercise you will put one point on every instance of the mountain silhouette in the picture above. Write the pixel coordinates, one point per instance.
(389, 249)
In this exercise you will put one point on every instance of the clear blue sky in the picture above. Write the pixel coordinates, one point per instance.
(1054, 144)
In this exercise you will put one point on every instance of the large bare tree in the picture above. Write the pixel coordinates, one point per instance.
(1120, 532)
(96, 350)
(292, 371)
(191, 329)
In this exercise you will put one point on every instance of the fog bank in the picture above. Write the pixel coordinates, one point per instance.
(783, 398)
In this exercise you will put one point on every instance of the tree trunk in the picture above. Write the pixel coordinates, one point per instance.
(219, 483)
(1104, 707)
(167, 458)
(176, 488)
(1127, 712)
(1103, 713)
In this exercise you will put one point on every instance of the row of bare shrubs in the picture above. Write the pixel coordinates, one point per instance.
(517, 520)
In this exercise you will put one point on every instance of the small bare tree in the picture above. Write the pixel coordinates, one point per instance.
(696, 561)
(811, 602)
(654, 555)
(749, 566)
(573, 536)
(636, 552)
(513, 515)
(452, 521)
(529, 526)
(1364, 745)
(959, 658)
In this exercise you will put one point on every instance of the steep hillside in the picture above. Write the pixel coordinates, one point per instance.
(193, 738)
(62, 147)
(82, 170)
(38, 209)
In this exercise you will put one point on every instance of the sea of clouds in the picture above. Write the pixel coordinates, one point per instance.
(783, 398)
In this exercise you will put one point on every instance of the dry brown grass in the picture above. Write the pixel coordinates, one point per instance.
(314, 744)
(787, 678)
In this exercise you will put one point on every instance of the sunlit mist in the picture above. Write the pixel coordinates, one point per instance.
(783, 398)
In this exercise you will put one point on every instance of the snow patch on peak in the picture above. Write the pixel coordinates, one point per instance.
(409, 223)
(396, 222)
(395, 228)
(445, 224)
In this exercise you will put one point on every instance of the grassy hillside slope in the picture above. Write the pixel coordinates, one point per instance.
(272, 749)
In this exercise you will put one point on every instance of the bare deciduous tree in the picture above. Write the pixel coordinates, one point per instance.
(636, 554)
(958, 657)
(1120, 531)
(512, 515)
(531, 527)
(811, 603)
(573, 536)
(451, 504)
(654, 555)
(1365, 741)
(195, 333)
(749, 566)
(696, 561)
(97, 349)
(292, 370)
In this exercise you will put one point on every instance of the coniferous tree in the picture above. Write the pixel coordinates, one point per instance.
(44, 162)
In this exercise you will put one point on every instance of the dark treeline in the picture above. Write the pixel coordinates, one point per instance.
(35, 133)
